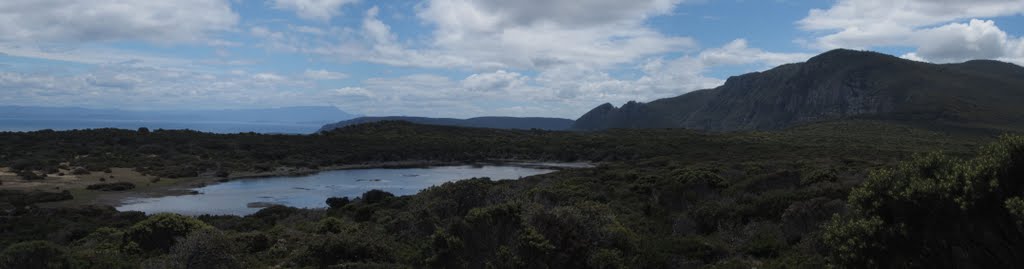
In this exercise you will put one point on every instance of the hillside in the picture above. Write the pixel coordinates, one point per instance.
(837, 84)
(552, 124)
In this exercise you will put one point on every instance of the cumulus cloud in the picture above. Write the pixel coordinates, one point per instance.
(847, 14)
(936, 28)
(135, 86)
(489, 15)
(324, 75)
(558, 58)
(493, 35)
(321, 10)
(738, 52)
(535, 34)
(496, 81)
(977, 39)
(352, 92)
(104, 20)
(268, 77)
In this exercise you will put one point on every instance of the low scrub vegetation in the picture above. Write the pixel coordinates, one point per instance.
(834, 194)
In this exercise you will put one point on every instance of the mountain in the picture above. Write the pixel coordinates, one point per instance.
(838, 84)
(269, 120)
(553, 124)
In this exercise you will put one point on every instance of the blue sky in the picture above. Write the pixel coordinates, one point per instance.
(454, 58)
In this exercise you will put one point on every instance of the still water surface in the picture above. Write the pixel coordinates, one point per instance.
(234, 197)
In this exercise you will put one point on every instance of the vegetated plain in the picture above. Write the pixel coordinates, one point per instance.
(660, 198)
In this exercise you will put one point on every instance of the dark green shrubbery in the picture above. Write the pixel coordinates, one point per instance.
(159, 232)
(337, 202)
(205, 248)
(671, 199)
(117, 186)
(376, 196)
(34, 254)
(936, 211)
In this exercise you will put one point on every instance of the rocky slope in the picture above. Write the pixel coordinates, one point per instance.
(835, 85)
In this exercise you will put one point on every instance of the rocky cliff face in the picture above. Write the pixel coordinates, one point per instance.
(835, 85)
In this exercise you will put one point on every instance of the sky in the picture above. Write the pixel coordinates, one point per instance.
(454, 58)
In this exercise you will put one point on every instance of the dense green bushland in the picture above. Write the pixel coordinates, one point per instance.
(935, 211)
(659, 199)
(176, 153)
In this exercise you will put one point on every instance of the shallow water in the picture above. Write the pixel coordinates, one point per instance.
(233, 198)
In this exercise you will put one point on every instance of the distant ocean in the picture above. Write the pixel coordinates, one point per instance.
(23, 125)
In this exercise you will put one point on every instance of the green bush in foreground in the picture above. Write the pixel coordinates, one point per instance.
(160, 231)
(34, 254)
(935, 211)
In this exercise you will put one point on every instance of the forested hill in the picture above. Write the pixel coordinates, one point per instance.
(835, 85)
(553, 124)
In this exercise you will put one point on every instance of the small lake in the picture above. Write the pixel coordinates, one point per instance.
(234, 197)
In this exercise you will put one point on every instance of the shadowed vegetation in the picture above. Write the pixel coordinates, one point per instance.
(659, 198)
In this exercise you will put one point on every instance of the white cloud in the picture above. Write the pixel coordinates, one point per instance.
(537, 34)
(964, 41)
(492, 35)
(490, 15)
(500, 80)
(738, 52)
(349, 92)
(848, 14)
(268, 77)
(263, 32)
(103, 20)
(933, 27)
(324, 75)
(133, 86)
(321, 10)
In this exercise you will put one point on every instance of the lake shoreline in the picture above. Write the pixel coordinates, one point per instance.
(242, 197)
(186, 186)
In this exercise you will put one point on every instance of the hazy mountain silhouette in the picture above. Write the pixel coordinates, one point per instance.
(554, 124)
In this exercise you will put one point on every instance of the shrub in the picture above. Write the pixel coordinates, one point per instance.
(206, 248)
(337, 202)
(80, 171)
(332, 249)
(29, 175)
(763, 240)
(254, 241)
(117, 186)
(376, 196)
(935, 211)
(700, 177)
(818, 175)
(34, 254)
(158, 232)
(335, 225)
(273, 214)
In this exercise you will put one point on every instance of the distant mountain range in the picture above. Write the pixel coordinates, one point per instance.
(553, 124)
(838, 84)
(272, 120)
